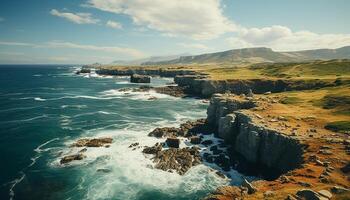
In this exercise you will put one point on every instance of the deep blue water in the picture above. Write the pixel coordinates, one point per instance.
(45, 108)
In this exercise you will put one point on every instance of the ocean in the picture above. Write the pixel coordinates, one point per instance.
(43, 109)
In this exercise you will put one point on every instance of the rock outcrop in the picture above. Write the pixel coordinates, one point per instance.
(136, 78)
(257, 144)
(179, 160)
(95, 142)
(203, 86)
(70, 158)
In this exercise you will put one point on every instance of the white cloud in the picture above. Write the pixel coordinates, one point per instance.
(282, 38)
(15, 43)
(114, 24)
(78, 18)
(110, 49)
(196, 19)
(193, 46)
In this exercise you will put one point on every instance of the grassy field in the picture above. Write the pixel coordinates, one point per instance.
(333, 69)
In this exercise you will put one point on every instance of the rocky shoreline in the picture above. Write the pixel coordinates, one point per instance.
(269, 147)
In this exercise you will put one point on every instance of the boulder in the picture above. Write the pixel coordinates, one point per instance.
(135, 78)
(173, 142)
(308, 194)
(70, 158)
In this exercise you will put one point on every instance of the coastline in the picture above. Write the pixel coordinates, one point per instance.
(230, 114)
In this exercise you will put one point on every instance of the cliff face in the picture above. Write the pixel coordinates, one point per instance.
(150, 72)
(256, 143)
(201, 86)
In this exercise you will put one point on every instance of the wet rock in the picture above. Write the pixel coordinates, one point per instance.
(220, 174)
(134, 145)
(173, 142)
(249, 186)
(195, 139)
(135, 78)
(179, 160)
(164, 132)
(70, 158)
(95, 142)
(103, 170)
(152, 150)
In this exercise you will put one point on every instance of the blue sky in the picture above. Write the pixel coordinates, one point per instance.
(86, 31)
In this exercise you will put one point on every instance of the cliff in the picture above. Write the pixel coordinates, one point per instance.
(205, 87)
(258, 144)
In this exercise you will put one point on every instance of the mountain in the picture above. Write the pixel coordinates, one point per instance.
(256, 55)
(149, 59)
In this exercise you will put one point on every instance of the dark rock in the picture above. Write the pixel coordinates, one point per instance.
(95, 142)
(152, 150)
(135, 78)
(104, 170)
(173, 142)
(71, 158)
(134, 145)
(165, 132)
(180, 160)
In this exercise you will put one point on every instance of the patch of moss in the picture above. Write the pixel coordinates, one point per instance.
(339, 126)
(291, 100)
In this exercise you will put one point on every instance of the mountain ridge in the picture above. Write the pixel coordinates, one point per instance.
(259, 54)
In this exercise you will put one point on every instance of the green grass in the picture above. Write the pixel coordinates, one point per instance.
(291, 100)
(339, 126)
(335, 101)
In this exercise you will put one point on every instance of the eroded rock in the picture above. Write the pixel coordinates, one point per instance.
(95, 142)
(70, 158)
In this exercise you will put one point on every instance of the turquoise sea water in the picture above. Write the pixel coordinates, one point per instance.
(45, 108)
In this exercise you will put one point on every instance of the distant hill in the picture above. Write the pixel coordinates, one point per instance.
(149, 59)
(257, 55)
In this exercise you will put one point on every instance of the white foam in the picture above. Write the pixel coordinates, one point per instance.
(148, 95)
(39, 99)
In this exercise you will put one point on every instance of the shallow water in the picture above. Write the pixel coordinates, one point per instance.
(43, 109)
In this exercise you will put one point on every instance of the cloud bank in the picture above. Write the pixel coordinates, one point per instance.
(192, 18)
(78, 18)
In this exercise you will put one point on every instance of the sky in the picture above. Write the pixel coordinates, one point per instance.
(89, 31)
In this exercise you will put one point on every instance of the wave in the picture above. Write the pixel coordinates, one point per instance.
(26, 120)
(74, 106)
(149, 95)
(39, 99)
(13, 185)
